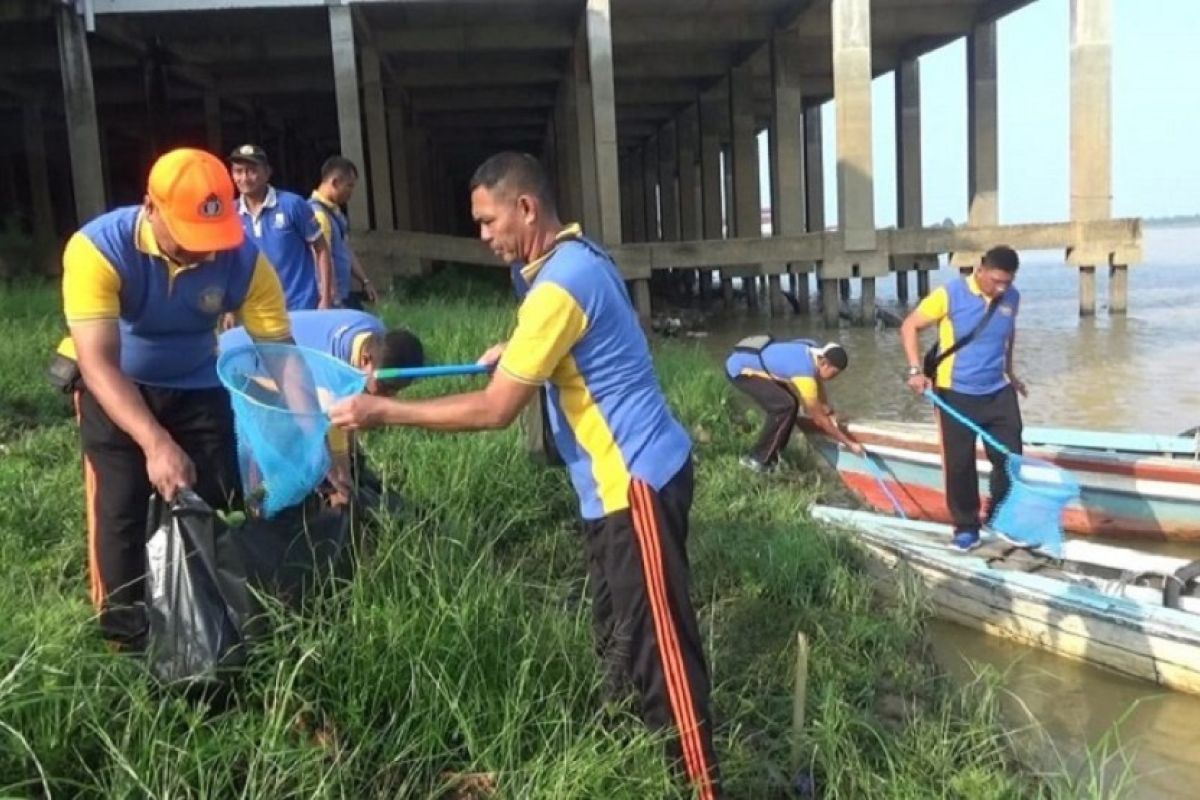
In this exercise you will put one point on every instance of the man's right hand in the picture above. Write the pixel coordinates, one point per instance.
(492, 357)
(919, 384)
(169, 468)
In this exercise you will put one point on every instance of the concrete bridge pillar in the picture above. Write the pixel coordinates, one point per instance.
(908, 159)
(714, 127)
(83, 129)
(1091, 135)
(747, 205)
(687, 151)
(380, 181)
(787, 153)
(345, 77)
(856, 187)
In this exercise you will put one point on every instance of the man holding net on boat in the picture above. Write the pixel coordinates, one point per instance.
(971, 369)
(630, 461)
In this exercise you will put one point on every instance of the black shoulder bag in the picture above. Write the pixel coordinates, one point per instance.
(933, 358)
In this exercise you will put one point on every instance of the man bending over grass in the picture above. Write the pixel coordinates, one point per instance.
(629, 459)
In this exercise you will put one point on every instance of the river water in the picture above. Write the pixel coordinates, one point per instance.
(1137, 373)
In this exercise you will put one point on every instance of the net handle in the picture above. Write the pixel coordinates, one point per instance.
(988, 439)
(398, 373)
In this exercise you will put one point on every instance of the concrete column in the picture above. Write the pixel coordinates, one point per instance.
(637, 196)
(852, 91)
(909, 210)
(730, 225)
(570, 154)
(668, 186)
(626, 186)
(83, 130)
(345, 77)
(34, 134)
(982, 127)
(922, 283)
(397, 130)
(713, 120)
(747, 206)
(650, 171)
(584, 128)
(377, 142)
(787, 155)
(688, 151)
(1091, 134)
(814, 206)
(212, 122)
(604, 115)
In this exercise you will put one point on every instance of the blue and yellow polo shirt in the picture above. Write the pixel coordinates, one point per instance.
(335, 228)
(980, 366)
(791, 362)
(167, 312)
(284, 229)
(578, 333)
(340, 332)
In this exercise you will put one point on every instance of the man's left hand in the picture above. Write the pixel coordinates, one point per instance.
(1019, 385)
(371, 295)
(361, 412)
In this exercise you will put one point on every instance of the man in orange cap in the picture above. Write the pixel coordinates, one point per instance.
(143, 289)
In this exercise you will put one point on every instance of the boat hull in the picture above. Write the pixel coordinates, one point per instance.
(1123, 495)
(1135, 638)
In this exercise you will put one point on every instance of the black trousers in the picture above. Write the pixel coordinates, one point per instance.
(782, 407)
(646, 630)
(118, 492)
(999, 415)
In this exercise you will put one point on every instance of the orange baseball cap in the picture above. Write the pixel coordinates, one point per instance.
(193, 191)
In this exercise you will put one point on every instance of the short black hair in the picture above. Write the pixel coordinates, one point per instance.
(395, 349)
(835, 355)
(1002, 257)
(338, 166)
(519, 172)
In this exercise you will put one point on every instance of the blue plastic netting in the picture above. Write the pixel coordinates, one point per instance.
(280, 396)
(1033, 510)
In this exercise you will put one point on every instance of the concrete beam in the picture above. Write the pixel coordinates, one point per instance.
(530, 35)
(474, 75)
(698, 65)
(642, 92)
(852, 90)
(633, 30)
(345, 72)
(378, 147)
(598, 35)
(83, 129)
(519, 97)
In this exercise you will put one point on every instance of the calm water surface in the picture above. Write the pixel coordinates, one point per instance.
(1138, 373)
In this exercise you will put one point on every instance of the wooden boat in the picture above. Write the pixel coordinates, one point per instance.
(1133, 486)
(1100, 604)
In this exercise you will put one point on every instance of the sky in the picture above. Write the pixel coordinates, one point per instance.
(1155, 112)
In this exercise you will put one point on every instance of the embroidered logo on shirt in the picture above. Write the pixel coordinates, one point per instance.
(1005, 309)
(280, 220)
(212, 299)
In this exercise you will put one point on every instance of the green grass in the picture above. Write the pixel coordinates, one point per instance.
(463, 643)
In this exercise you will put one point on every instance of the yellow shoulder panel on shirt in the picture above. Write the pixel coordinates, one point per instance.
(936, 305)
(809, 391)
(264, 311)
(326, 227)
(549, 323)
(91, 285)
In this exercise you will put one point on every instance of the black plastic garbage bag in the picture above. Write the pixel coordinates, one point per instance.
(195, 605)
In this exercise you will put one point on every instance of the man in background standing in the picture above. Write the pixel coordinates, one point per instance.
(285, 229)
(339, 176)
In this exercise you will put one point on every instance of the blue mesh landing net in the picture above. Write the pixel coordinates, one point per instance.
(280, 396)
(1032, 512)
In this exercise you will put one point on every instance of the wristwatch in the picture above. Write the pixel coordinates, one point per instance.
(914, 372)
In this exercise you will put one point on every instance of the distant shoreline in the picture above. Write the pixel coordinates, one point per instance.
(1189, 221)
